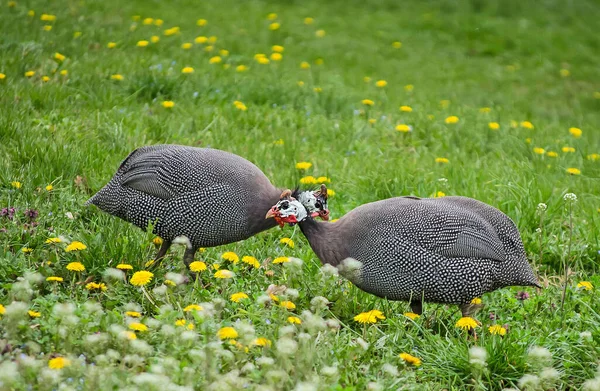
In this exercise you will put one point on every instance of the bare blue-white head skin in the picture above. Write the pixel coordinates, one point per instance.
(295, 207)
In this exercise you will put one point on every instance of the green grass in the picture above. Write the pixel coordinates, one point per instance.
(460, 56)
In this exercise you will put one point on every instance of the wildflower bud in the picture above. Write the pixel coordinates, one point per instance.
(570, 197)
(318, 303)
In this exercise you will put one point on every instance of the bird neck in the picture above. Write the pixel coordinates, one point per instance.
(259, 208)
(325, 240)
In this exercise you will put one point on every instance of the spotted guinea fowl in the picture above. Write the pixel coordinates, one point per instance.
(200, 196)
(445, 250)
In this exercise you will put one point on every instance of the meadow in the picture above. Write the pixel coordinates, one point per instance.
(495, 100)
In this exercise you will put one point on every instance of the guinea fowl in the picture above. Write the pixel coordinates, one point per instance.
(445, 250)
(201, 197)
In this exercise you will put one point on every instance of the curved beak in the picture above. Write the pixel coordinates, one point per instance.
(324, 214)
(273, 212)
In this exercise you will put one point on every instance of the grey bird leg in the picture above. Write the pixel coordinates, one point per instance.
(188, 256)
(162, 251)
(468, 310)
(416, 307)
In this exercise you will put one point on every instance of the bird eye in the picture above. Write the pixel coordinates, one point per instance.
(284, 205)
(319, 205)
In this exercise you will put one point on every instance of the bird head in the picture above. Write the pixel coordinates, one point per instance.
(292, 211)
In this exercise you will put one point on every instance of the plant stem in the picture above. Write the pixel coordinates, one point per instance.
(564, 294)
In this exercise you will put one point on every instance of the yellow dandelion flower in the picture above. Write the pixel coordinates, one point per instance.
(216, 266)
(406, 109)
(201, 39)
(148, 21)
(201, 22)
(451, 120)
(96, 286)
(59, 57)
(369, 317)
(26, 250)
(573, 171)
(29, 73)
(539, 151)
(58, 363)
(141, 278)
(34, 314)
(180, 322)
(54, 279)
(236, 297)
(142, 43)
(186, 45)
(262, 341)
(410, 359)
(241, 68)
(50, 187)
(303, 165)
(227, 333)
(231, 257)
(197, 266)
(565, 72)
(224, 274)
(412, 315)
(304, 65)
(111, 45)
(273, 297)
(494, 125)
(485, 109)
(240, 105)
(403, 128)
(172, 31)
(272, 16)
(154, 38)
(149, 263)
(136, 326)
(593, 157)
(323, 179)
(2, 76)
(294, 320)
(551, 154)
(262, 60)
(224, 53)
(48, 17)
(409, 88)
(575, 132)
(187, 70)
(277, 48)
(130, 335)
(442, 160)
(276, 56)
(158, 22)
(317, 89)
(476, 301)
(397, 44)
(300, 83)
(288, 305)
(31, 13)
(320, 33)
(288, 241)
(527, 125)
(497, 330)
(586, 285)
(45, 79)
(116, 77)
(367, 102)
(274, 26)
(439, 194)
(568, 149)
(192, 307)
(75, 246)
(367, 79)
(466, 323)
(47, 27)
(309, 20)
(133, 314)
(170, 283)
(64, 72)
(53, 240)
(124, 266)
(308, 180)
(2, 309)
(168, 104)
(331, 193)
(381, 83)
(251, 261)
(279, 260)
(75, 267)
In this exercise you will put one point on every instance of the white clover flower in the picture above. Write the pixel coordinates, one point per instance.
(443, 180)
(219, 304)
(529, 381)
(477, 356)
(570, 197)
(318, 302)
(198, 355)
(28, 362)
(390, 369)
(265, 361)
(364, 345)
(177, 278)
(287, 346)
